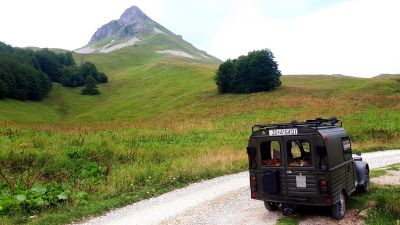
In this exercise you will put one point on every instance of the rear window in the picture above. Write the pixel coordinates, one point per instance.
(270, 153)
(299, 152)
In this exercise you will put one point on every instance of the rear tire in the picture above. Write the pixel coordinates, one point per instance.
(339, 208)
(366, 186)
(270, 206)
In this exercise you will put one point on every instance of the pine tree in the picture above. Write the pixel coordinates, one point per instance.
(90, 87)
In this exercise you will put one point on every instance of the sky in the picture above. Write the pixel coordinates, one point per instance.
(349, 37)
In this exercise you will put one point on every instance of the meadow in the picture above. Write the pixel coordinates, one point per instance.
(158, 125)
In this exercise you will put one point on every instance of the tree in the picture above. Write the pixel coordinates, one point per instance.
(28, 75)
(68, 59)
(90, 87)
(89, 69)
(71, 77)
(3, 89)
(49, 64)
(224, 76)
(258, 71)
(102, 78)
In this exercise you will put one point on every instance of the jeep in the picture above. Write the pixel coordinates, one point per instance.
(304, 163)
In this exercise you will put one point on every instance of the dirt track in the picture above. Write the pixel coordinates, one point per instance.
(223, 200)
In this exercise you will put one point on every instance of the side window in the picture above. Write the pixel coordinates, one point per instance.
(270, 153)
(346, 148)
(299, 152)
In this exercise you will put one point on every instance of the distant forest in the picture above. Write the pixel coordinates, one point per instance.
(28, 75)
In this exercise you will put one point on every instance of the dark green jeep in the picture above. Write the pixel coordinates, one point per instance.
(307, 163)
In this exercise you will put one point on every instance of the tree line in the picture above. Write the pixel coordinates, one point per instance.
(28, 75)
(258, 71)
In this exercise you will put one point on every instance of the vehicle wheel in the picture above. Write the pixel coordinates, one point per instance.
(365, 187)
(270, 206)
(339, 208)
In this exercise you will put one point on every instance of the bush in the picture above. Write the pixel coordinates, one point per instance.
(255, 72)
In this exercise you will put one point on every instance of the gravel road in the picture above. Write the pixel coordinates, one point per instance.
(222, 200)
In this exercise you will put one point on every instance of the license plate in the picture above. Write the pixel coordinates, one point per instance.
(301, 181)
(282, 132)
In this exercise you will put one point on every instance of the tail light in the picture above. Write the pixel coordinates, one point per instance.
(253, 185)
(253, 182)
(323, 184)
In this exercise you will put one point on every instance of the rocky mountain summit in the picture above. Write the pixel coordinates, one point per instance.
(134, 31)
(132, 21)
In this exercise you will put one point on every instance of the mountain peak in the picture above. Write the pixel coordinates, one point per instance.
(134, 28)
(133, 15)
(132, 22)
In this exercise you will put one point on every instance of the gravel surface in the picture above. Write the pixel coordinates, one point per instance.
(390, 178)
(222, 200)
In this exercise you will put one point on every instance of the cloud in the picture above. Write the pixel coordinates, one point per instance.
(355, 38)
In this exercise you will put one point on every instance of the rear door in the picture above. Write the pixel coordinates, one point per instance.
(300, 166)
(272, 165)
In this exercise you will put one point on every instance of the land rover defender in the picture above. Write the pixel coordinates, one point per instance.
(304, 163)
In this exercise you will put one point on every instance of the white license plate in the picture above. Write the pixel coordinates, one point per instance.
(301, 181)
(281, 132)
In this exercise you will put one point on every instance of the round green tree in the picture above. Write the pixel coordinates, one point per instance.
(258, 71)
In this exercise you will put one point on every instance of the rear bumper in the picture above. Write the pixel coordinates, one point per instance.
(312, 201)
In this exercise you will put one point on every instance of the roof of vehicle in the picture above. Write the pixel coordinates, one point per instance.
(317, 125)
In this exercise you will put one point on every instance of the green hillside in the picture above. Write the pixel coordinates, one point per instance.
(159, 124)
(150, 89)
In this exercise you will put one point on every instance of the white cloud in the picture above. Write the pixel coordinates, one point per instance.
(355, 38)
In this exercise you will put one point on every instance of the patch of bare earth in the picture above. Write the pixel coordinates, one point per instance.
(392, 177)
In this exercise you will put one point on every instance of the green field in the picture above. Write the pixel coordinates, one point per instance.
(159, 124)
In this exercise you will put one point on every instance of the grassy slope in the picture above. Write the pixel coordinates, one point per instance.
(159, 124)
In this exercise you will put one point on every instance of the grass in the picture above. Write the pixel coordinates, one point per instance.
(383, 171)
(290, 220)
(386, 198)
(159, 124)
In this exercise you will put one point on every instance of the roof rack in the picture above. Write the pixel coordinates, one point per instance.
(318, 122)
